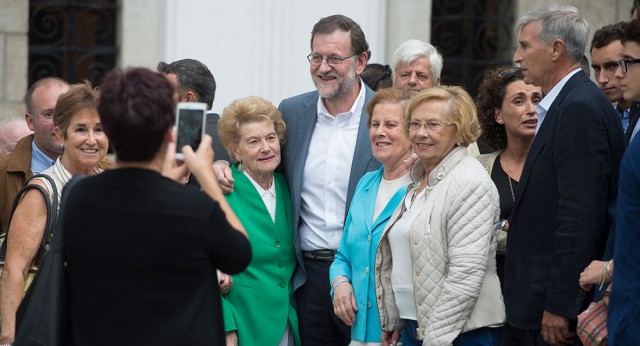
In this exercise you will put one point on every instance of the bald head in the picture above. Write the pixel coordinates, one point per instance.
(11, 133)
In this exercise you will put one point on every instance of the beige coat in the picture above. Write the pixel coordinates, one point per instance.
(453, 244)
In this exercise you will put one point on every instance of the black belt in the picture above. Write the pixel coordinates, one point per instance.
(320, 255)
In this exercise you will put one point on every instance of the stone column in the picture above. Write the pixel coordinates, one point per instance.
(14, 26)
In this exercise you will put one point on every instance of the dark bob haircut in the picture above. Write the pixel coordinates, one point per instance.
(137, 108)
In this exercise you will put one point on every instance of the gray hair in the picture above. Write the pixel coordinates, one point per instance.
(560, 22)
(413, 49)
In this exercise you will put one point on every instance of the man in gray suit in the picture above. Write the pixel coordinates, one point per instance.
(325, 154)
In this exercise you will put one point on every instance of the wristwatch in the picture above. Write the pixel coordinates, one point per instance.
(501, 224)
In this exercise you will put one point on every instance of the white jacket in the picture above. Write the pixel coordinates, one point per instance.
(453, 248)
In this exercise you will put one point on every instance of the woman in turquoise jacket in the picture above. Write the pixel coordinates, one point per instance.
(258, 310)
(377, 195)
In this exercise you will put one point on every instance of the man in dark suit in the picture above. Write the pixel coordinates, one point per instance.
(195, 83)
(559, 222)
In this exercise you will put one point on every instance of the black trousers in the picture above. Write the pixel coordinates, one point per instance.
(319, 326)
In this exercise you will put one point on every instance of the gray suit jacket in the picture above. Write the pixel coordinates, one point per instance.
(300, 114)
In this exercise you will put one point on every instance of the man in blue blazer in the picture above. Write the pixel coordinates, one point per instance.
(326, 152)
(559, 222)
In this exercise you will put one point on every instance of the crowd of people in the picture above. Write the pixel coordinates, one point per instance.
(361, 213)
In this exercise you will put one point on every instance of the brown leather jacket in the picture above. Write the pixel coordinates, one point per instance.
(15, 170)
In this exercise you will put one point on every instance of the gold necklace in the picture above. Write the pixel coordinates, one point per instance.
(513, 196)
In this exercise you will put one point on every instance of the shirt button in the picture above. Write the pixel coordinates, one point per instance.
(368, 305)
(369, 238)
(277, 243)
(366, 270)
(417, 273)
(280, 264)
(283, 284)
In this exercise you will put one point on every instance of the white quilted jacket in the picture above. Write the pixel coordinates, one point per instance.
(453, 247)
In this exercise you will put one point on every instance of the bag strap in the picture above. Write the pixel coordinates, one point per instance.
(51, 202)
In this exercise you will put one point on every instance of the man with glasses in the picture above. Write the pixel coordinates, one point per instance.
(326, 153)
(34, 153)
(629, 72)
(606, 51)
(559, 221)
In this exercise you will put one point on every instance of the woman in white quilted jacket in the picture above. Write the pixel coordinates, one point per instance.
(435, 268)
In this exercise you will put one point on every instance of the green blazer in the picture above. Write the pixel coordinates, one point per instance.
(260, 303)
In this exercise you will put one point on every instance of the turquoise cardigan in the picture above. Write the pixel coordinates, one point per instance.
(260, 305)
(357, 252)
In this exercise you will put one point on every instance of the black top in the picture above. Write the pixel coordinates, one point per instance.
(501, 179)
(142, 253)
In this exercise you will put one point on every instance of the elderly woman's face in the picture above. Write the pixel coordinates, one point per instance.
(518, 111)
(259, 148)
(432, 135)
(86, 143)
(388, 142)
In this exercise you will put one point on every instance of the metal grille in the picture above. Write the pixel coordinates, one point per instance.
(74, 40)
(472, 36)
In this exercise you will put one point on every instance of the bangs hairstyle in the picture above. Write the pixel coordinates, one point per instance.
(560, 22)
(137, 109)
(80, 97)
(491, 93)
(460, 110)
(252, 109)
(389, 95)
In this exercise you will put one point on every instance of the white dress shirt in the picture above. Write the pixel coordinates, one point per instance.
(268, 196)
(325, 179)
(548, 99)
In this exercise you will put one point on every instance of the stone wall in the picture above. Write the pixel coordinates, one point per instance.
(13, 58)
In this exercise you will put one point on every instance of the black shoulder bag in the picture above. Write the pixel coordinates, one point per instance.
(51, 201)
(43, 315)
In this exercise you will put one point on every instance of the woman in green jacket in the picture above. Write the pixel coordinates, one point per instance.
(258, 310)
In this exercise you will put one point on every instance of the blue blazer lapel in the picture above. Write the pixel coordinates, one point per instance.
(390, 207)
(305, 123)
(543, 134)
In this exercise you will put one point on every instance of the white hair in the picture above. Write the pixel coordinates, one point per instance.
(411, 50)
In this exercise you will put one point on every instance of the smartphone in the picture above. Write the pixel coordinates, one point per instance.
(190, 120)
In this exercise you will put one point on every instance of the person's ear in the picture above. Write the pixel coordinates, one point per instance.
(58, 133)
(29, 119)
(557, 49)
(498, 117)
(189, 96)
(361, 63)
(236, 153)
(170, 135)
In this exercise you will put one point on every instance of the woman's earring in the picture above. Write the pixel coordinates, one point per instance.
(240, 166)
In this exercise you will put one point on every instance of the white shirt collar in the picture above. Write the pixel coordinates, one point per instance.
(548, 99)
(356, 108)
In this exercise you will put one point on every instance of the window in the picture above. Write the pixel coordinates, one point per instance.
(74, 40)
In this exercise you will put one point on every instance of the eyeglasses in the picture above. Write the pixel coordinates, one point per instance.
(431, 126)
(624, 62)
(46, 115)
(508, 72)
(334, 60)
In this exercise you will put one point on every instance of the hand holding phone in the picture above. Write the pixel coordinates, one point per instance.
(190, 125)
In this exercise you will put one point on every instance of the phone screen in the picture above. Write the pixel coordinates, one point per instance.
(189, 128)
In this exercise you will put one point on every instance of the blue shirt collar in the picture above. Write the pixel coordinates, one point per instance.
(39, 161)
